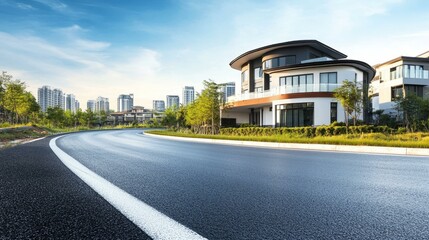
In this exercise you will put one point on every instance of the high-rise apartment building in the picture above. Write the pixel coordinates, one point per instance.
(227, 90)
(188, 95)
(102, 104)
(44, 98)
(71, 103)
(172, 101)
(58, 98)
(90, 104)
(77, 105)
(158, 105)
(125, 102)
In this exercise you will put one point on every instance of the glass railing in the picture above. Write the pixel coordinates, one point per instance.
(285, 90)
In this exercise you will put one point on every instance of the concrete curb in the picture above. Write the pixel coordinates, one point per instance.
(298, 146)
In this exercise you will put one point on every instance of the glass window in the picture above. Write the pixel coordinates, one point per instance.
(258, 72)
(406, 71)
(282, 61)
(245, 76)
(274, 62)
(327, 80)
(290, 60)
(334, 111)
(412, 71)
(295, 115)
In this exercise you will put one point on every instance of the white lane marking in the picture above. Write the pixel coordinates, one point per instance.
(154, 223)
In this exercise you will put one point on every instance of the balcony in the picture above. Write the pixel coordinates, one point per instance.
(287, 89)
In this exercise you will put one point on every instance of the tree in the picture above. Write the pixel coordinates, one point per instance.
(203, 114)
(350, 97)
(414, 110)
(169, 119)
(14, 98)
(55, 116)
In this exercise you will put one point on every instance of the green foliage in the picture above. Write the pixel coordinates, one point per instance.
(350, 97)
(203, 115)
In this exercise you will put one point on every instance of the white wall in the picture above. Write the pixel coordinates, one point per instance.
(268, 117)
(241, 117)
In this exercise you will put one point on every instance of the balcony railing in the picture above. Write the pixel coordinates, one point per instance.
(285, 90)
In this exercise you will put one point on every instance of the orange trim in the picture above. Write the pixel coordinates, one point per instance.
(257, 101)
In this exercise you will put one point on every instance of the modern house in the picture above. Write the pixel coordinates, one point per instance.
(292, 83)
(137, 114)
(397, 78)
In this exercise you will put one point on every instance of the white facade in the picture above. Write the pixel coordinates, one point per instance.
(158, 105)
(188, 95)
(71, 103)
(90, 104)
(102, 104)
(173, 101)
(125, 102)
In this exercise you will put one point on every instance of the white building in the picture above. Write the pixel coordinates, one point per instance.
(397, 78)
(102, 104)
(46, 98)
(173, 101)
(188, 95)
(125, 102)
(291, 84)
(90, 104)
(71, 103)
(158, 105)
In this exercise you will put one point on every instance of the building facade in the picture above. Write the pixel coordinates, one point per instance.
(125, 102)
(71, 103)
(48, 97)
(173, 101)
(397, 78)
(292, 84)
(188, 95)
(90, 104)
(102, 104)
(158, 106)
(227, 90)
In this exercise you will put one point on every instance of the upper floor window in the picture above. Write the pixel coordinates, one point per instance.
(328, 81)
(298, 83)
(279, 61)
(408, 71)
(245, 76)
(258, 72)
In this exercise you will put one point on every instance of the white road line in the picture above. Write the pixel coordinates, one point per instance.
(154, 223)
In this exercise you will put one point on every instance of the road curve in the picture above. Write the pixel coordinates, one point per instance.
(229, 192)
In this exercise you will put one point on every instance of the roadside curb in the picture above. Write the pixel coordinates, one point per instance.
(299, 146)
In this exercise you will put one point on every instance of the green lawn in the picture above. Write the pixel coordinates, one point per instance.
(410, 140)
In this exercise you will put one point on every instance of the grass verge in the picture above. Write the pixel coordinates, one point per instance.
(415, 140)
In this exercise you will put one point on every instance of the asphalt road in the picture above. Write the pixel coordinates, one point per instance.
(229, 192)
(41, 199)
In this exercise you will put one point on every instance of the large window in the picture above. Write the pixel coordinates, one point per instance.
(298, 83)
(295, 115)
(328, 81)
(258, 72)
(397, 92)
(279, 61)
(408, 71)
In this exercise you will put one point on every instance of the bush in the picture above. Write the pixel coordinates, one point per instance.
(401, 130)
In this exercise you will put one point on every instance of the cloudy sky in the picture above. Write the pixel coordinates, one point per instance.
(105, 48)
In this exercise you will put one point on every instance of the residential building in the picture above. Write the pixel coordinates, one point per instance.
(292, 84)
(227, 90)
(137, 114)
(102, 104)
(71, 103)
(125, 102)
(44, 98)
(158, 105)
(77, 105)
(173, 101)
(90, 104)
(47, 97)
(188, 95)
(397, 78)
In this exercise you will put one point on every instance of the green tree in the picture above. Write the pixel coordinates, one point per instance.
(414, 110)
(169, 119)
(14, 99)
(350, 97)
(55, 116)
(203, 114)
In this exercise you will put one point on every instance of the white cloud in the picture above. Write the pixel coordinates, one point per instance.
(24, 6)
(53, 4)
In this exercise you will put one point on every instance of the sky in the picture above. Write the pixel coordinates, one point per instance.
(93, 48)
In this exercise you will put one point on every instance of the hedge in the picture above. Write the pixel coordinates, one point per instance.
(305, 131)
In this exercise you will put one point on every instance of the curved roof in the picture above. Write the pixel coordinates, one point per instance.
(258, 52)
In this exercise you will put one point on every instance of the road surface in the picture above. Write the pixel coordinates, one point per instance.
(229, 192)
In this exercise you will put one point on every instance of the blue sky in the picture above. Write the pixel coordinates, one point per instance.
(154, 48)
